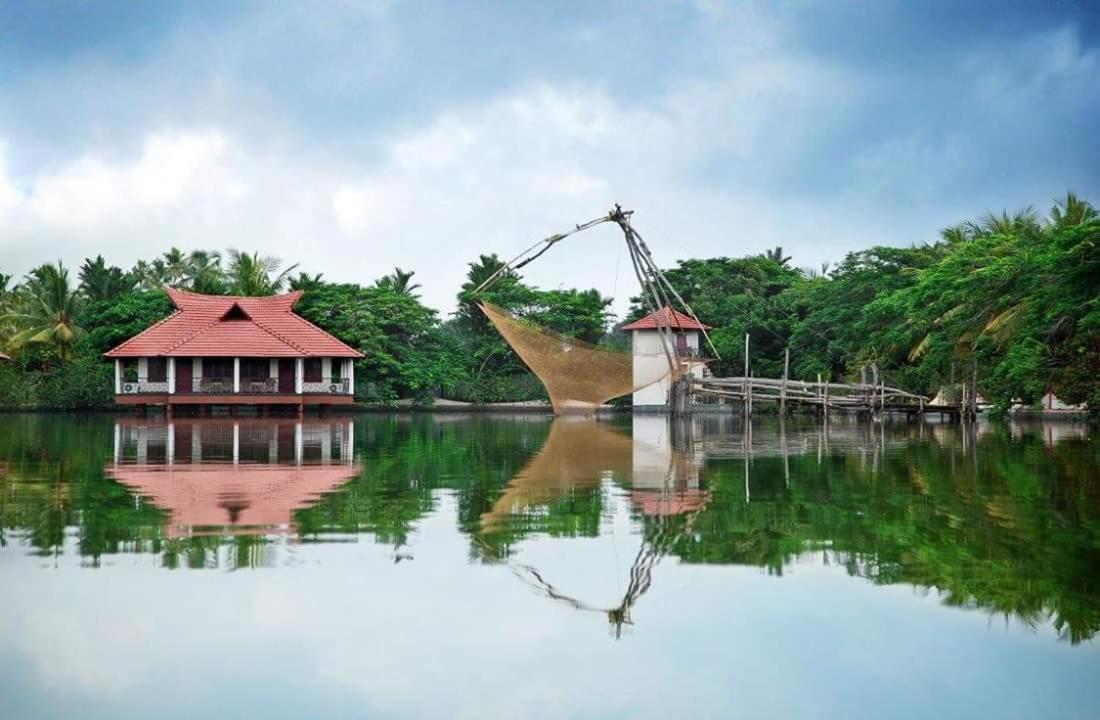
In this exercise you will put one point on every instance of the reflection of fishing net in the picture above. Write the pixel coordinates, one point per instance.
(577, 455)
(577, 375)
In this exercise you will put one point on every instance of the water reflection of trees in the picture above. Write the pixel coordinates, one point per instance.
(1007, 521)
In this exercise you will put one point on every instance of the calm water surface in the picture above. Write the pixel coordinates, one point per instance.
(484, 567)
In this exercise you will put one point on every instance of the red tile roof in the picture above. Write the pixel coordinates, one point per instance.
(246, 497)
(228, 326)
(668, 318)
(661, 504)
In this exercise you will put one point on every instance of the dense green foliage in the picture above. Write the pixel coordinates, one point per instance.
(1012, 298)
(1016, 298)
(407, 354)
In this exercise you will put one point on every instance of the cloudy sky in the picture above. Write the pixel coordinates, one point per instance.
(352, 136)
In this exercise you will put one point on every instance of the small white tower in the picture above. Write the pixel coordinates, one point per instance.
(649, 357)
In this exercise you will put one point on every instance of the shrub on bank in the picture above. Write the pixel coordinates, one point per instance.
(33, 382)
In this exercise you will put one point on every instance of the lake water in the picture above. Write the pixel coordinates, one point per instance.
(524, 567)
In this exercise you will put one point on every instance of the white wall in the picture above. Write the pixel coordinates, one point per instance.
(650, 361)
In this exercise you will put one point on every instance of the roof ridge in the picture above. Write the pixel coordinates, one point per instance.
(322, 330)
(193, 335)
(279, 337)
(129, 340)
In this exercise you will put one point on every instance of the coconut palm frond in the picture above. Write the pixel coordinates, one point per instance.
(920, 348)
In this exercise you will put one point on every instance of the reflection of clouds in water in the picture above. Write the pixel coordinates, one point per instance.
(348, 632)
(443, 638)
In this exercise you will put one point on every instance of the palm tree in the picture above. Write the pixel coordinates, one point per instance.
(177, 266)
(7, 297)
(468, 314)
(306, 282)
(204, 272)
(776, 255)
(255, 275)
(100, 282)
(45, 311)
(398, 281)
(1071, 212)
(1022, 222)
(151, 276)
(958, 234)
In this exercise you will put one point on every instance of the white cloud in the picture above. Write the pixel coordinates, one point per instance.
(173, 170)
(484, 177)
(759, 150)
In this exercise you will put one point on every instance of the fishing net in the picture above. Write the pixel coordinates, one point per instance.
(577, 375)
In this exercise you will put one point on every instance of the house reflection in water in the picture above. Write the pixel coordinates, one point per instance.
(665, 469)
(229, 476)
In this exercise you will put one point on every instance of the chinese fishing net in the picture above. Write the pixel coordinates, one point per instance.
(577, 375)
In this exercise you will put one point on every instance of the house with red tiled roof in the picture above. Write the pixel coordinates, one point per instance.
(650, 360)
(226, 350)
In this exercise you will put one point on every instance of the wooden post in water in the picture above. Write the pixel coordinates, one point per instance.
(681, 392)
(750, 393)
(783, 390)
(874, 384)
(974, 392)
(863, 382)
(746, 405)
(951, 385)
(817, 394)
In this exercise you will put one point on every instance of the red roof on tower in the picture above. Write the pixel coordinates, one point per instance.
(228, 326)
(667, 317)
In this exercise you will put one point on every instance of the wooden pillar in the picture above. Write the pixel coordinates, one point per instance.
(974, 392)
(746, 386)
(817, 394)
(783, 390)
(750, 393)
(681, 392)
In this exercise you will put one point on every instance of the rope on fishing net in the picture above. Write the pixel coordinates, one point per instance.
(577, 375)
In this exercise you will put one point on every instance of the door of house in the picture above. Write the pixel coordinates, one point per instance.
(183, 375)
(286, 375)
(681, 345)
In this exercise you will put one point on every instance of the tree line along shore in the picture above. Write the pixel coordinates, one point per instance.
(1012, 297)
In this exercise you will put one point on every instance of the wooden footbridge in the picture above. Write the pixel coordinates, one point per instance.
(871, 396)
